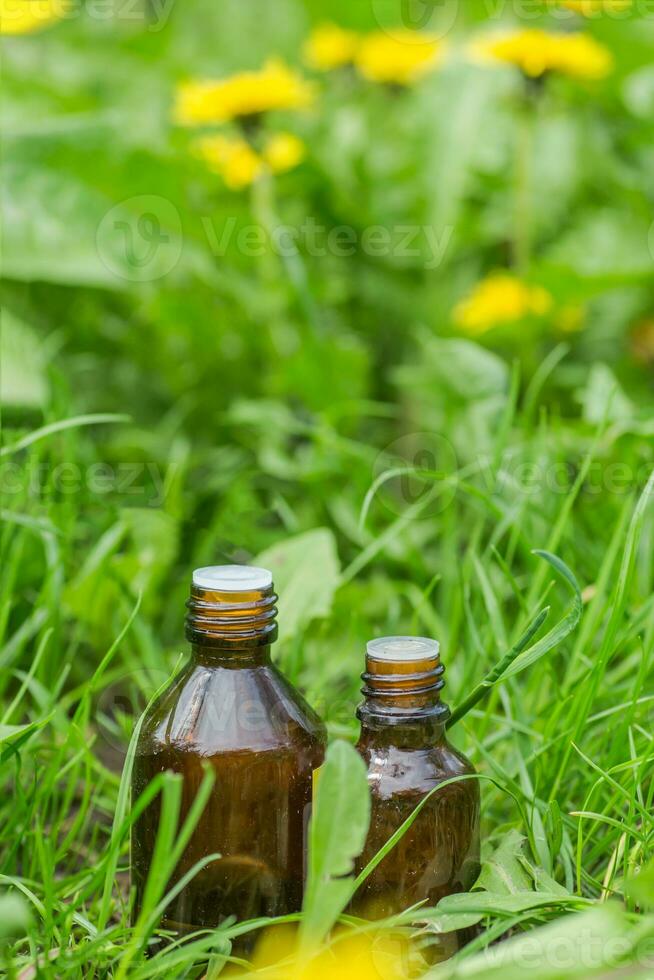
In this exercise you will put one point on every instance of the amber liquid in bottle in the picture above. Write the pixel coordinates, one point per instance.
(231, 708)
(404, 746)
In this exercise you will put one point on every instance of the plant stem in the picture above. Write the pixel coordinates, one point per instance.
(523, 178)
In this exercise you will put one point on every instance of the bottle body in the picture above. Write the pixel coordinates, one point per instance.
(231, 710)
(407, 755)
(439, 854)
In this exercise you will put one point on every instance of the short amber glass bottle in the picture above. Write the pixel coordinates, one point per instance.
(232, 708)
(404, 746)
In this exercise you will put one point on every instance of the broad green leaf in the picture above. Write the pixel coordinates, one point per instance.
(638, 92)
(14, 916)
(60, 229)
(508, 885)
(605, 241)
(444, 922)
(337, 834)
(459, 368)
(575, 947)
(306, 573)
(603, 399)
(50, 224)
(493, 903)
(503, 871)
(640, 887)
(23, 380)
(454, 143)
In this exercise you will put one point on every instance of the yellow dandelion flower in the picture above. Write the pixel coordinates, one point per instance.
(537, 52)
(330, 46)
(350, 956)
(27, 16)
(501, 298)
(399, 58)
(283, 152)
(589, 8)
(275, 86)
(232, 158)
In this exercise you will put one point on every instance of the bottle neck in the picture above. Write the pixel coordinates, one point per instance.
(235, 628)
(233, 657)
(402, 701)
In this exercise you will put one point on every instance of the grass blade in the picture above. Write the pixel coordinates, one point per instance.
(521, 656)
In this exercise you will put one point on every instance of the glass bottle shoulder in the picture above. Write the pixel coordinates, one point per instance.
(397, 770)
(209, 710)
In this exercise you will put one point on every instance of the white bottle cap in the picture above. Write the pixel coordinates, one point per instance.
(404, 648)
(232, 578)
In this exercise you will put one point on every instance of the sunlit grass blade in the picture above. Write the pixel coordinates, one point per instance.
(120, 813)
(498, 671)
(75, 422)
(521, 656)
(169, 846)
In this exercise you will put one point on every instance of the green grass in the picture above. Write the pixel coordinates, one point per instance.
(323, 414)
(567, 741)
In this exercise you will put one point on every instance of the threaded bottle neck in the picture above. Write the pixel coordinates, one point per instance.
(232, 607)
(402, 682)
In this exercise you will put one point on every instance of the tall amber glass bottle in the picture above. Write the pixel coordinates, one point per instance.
(232, 708)
(404, 746)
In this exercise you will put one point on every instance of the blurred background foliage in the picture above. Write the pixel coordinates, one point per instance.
(262, 388)
(214, 400)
